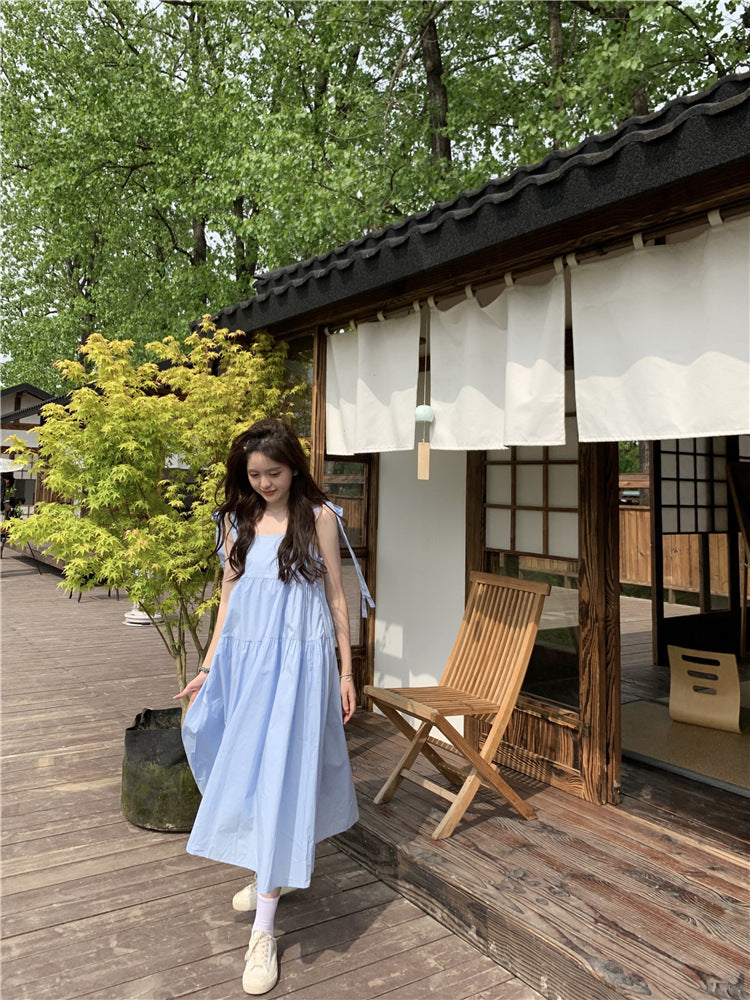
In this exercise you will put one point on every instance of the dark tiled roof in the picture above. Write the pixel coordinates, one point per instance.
(687, 136)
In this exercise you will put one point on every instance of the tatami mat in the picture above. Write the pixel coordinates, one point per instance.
(649, 735)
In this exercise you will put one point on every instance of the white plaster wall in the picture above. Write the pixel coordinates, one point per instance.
(29, 437)
(420, 567)
(11, 402)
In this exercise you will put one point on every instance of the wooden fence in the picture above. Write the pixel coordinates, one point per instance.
(681, 555)
(681, 558)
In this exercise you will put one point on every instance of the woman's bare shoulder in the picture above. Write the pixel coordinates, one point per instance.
(325, 514)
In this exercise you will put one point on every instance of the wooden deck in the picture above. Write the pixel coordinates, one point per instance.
(648, 899)
(94, 907)
(586, 903)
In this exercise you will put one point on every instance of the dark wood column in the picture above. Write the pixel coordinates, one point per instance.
(318, 433)
(599, 621)
(476, 471)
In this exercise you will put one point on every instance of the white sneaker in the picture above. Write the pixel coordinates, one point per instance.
(261, 965)
(246, 899)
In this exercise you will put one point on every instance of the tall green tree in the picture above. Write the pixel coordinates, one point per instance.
(157, 153)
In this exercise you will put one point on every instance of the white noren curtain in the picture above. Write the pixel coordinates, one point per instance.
(342, 362)
(498, 372)
(387, 384)
(535, 369)
(467, 375)
(661, 339)
(371, 386)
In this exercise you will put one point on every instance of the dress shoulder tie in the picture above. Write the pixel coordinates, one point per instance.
(363, 588)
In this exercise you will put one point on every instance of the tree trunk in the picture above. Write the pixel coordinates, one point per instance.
(244, 263)
(437, 94)
(200, 246)
(555, 36)
(644, 453)
(639, 100)
(556, 53)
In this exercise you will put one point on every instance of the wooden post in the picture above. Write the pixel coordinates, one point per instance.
(373, 491)
(476, 472)
(318, 432)
(599, 621)
(658, 646)
(733, 555)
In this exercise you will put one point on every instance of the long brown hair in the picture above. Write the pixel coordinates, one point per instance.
(243, 507)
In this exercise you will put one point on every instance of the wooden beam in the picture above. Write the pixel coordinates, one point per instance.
(658, 650)
(599, 621)
(734, 537)
(372, 500)
(476, 473)
(318, 431)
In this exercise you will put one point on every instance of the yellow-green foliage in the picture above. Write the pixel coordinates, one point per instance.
(136, 458)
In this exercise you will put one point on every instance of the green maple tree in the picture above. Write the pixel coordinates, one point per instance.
(135, 459)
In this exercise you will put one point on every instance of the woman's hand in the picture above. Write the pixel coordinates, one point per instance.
(348, 698)
(192, 688)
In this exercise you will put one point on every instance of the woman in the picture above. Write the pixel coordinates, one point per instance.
(263, 732)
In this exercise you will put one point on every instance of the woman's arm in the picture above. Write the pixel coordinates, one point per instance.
(326, 526)
(228, 581)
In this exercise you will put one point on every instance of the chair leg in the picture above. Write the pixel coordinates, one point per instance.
(412, 752)
(450, 773)
(455, 813)
(482, 770)
(464, 798)
(36, 561)
(744, 651)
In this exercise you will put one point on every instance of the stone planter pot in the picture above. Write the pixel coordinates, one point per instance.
(158, 789)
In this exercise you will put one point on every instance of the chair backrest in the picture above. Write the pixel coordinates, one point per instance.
(704, 688)
(496, 636)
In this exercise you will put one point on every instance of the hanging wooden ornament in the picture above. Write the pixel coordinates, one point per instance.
(425, 415)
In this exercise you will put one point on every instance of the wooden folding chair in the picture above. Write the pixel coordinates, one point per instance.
(483, 678)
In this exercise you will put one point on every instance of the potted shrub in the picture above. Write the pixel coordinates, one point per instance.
(134, 459)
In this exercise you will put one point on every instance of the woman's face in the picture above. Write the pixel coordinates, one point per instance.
(270, 479)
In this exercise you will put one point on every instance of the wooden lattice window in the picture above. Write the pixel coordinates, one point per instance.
(694, 494)
(531, 501)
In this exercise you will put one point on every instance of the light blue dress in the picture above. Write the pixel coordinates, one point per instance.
(265, 737)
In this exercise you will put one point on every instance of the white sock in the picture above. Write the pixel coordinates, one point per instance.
(265, 913)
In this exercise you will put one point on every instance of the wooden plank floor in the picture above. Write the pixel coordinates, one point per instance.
(585, 903)
(94, 907)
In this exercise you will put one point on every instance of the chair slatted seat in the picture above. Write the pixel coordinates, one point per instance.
(482, 679)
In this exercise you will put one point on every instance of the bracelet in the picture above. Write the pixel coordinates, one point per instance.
(346, 677)
(203, 670)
